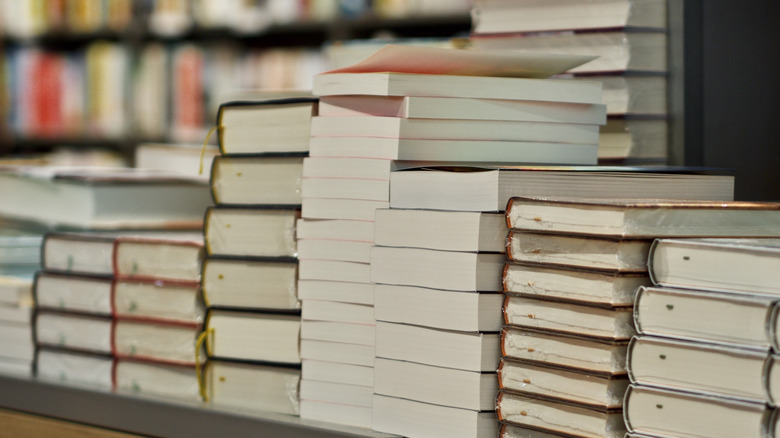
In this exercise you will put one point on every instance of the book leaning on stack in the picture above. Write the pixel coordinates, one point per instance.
(120, 311)
(706, 357)
(253, 322)
(575, 266)
(455, 110)
(629, 39)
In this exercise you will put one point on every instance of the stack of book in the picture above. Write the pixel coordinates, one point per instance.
(120, 311)
(253, 322)
(452, 111)
(705, 361)
(629, 37)
(16, 306)
(565, 342)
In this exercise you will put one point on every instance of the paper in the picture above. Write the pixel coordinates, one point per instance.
(444, 61)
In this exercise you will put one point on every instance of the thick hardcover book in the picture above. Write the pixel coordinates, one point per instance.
(102, 199)
(252, 386)
(729, 265)
(165, 341)
(74, 367)
(628, 218)
(257, 336)
(274, 125)
(257, 231)
(157, 379)
(273, 179)
(250, 283)
(490, 188)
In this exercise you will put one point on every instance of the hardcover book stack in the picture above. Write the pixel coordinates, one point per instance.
(575, 266)
(706, 360)
(120, 311)
(629, 37)
(253, 321)
(455, 110)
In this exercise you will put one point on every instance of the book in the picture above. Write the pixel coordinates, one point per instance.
(616, 50)
(626, 218)
(471, 351)
(333, 330)
(493, 16)
(712, 317)
(698, 367)
(437, 385)
(17, 341)
(632, 95)
(273, 179)
(559, 417)
(84, 332)
(258, 336)
(94, 253)
(180, 158)
(655, 411)
(251, 387)
(155, 379)
(102, 198)
(254, 231)
(597, 322)
(587, 354)
(346, 188)
(331, 249)
(319, 310)
(596, 288)
(573, 251)
(334, 271)
(437, 308)
(340, 229)
(532, 380)
(449, 129)
(460, 108)
(457, 151)
(281, 123)
(345, 167)
(348, 292)
(74, 368)
(350, 415)
(341, 352)
(336, 393)
(159, 341)
(730, 265)
(489, 189)
(634, 139)
(75, 293)
(338, 372)
(441, 230)
(250, 284)
(413, 418)
(451, 270)
(344, 209)
(16, 291)
(156, 300)
(446, 85)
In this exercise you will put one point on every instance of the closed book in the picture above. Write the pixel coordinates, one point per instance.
(326, 371)
(579, 252)
(334, 208)
(451, 129)
(539, 380)
(273, 125)
(347, 167)
(181, 158)
(346, 188)
(730, 265)
(342, 352)
(471, 351)
(258, 336)
(452, 270)
(604, 289)
(579, 353)
(17, 341)
(433, 384)
(156, 379)
(461, 108)
(15, 290)
(74, 331)
(695, 366)
(76, 293)
(335, 331)
(250, 284)
(576, 319)
(336, 393)
(155, 340)
(272, 179)
(634, 139)
(339, 229)
(250, 231)
(442, 230)
(102, 199)
(490, 188)
(331, 249)
(626, 218)
(437, 308)
(138, 258)
(557, 417)
(713, 317)
(334, 311)
(158, 300)
(348, 292)
(334, 270)
(74, 368)
(660, 412)
(413, 418)
(252, 387)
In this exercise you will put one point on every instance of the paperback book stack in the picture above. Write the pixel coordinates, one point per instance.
(706, 360)
(456, 110)
(629, 38)
(120, 311)
(253, 321)
(574, 269)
